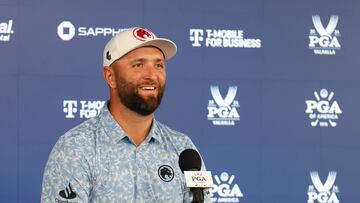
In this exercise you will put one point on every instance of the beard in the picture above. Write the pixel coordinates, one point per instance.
(129, 95)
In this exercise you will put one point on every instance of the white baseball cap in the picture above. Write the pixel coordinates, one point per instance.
(126, 41)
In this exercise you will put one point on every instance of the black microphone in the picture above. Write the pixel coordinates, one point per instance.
(189, 160)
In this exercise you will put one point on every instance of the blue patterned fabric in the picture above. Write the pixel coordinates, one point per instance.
(98, 162)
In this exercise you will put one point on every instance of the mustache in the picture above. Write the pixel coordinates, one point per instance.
(149, 82)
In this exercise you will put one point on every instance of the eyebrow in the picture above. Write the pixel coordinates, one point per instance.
(143, 60)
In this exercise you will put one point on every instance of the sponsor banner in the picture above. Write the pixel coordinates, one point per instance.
(324, 111)
(222, 38)
(225, 189)
(223, 111)
(82, 108)
(6, 30)
(66, 30)
(324, 40)
(323, 193)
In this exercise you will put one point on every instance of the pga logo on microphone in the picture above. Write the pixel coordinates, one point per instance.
(199, 179)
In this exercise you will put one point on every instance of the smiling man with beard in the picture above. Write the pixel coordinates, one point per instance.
(123, 154)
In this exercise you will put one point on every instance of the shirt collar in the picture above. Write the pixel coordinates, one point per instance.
(154, 131)
(116, 133)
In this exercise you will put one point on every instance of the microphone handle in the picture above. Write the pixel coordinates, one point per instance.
(198, 195)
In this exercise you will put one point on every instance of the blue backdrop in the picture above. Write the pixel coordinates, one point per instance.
(267, 90)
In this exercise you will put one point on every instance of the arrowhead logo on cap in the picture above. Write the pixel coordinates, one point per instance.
(142, 34)
(108, 56)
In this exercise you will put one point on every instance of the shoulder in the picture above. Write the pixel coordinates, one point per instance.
(80, 139)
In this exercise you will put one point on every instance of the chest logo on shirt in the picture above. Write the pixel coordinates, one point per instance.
(166, 173)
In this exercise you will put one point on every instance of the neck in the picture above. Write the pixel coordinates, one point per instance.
(135, 125)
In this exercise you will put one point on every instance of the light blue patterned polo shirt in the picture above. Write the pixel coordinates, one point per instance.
(97, 162)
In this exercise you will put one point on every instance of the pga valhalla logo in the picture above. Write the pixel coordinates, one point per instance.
(82, 109)
(323, 193)
(6, 31)
(324, 41)
(66, 31)
(225, 190)
(223, 111)
(323, 111)
(222, 38)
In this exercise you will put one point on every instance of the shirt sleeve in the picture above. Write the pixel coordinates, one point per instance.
(67, 176)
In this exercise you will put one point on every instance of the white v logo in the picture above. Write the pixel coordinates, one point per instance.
(215, 92)
(329, 28)
(328, 183)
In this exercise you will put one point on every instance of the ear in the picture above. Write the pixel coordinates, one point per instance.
(109, 76)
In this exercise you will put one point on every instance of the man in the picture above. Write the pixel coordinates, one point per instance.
(123, 154)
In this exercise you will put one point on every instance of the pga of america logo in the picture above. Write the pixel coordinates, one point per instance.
(324, 41)
(6, 31)
(82, 109)
(222, 38)
(225, 190)
(323, 111)
(66, 31)
(323, 193)
(223, 111)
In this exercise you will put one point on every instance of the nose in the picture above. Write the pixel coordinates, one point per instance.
(150, 72)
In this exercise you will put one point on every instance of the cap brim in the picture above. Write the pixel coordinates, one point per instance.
(166, 46)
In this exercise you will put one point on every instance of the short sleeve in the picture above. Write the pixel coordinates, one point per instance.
(67, 175)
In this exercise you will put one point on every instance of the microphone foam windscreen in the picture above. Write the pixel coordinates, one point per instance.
(189, 159)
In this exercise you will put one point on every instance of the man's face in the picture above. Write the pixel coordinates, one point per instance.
(141, 79)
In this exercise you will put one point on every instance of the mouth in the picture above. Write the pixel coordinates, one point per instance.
(148, 89)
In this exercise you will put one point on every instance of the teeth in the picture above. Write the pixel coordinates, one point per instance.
(148, 88)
